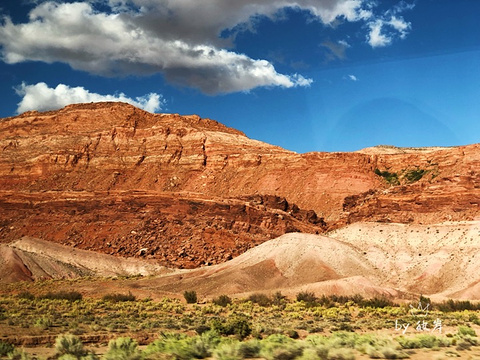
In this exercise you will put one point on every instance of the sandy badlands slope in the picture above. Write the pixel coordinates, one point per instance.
(369, 259)
(30, 259)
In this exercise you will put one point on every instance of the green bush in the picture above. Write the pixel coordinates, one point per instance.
(123, 348)
(260, 299)
(62, 295)
(414, 175)
(26, 295)
(228, 351)
(202, 346)
(250, 349)
(466, 331)
(69, 345)
(5, 348)
(280, 347)
(222, 300)
(190, 297)
(456, 305)
(278, 299)
(422, 341)
(119, 297)
(169, 346)
(307, 297)
(340, 354)
(377, 302)
(391, 178)
(235, 325)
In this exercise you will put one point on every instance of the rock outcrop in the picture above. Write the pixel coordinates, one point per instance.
(188, 191)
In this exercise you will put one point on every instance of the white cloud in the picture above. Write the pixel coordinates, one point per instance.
(383, 30)
(352, 77)
(376, 38)
(399, 24)
(41, 97)
(180, 39)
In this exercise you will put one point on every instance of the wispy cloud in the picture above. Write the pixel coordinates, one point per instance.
(41, 97)
(336, 50)
(352, 77)
(384, 29)
(183, 39)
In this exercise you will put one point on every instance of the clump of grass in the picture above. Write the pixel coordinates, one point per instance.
(70, 347)
(123, 348)
(466, 331)
(114, 298)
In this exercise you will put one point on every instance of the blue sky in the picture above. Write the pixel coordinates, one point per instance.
(307, 75)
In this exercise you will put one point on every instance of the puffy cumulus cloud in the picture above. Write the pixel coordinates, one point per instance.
(41, 97)
(188, 41)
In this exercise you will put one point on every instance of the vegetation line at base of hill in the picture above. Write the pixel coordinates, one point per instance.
(265, 326)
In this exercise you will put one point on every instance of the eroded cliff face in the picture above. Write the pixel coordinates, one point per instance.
(190, 191)
(424, 187)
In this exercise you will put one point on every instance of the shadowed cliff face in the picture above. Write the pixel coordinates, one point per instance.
(189, 191)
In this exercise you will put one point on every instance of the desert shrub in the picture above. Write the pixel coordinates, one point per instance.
(422, 341)
(278, 299)
(325, 301)
(414, 175)
(292, 334)
(307, 297)
(250, 349)
(466, 331)
(317, 353)
(388, 352)
(222, 300)
(19, 355)
(190, 296)
(203, 345)
(202, 328)
(280, 347)
(340, 354)
(69, 345)
(456, 305)
(62, 295)
(377, 302)
(236, 325)
(260, 299)
(123, 348)
(169, 346)
(228, 351)
(391, 178)
(26, 295)
(119, 297)
(43, 323)
(5, 348)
